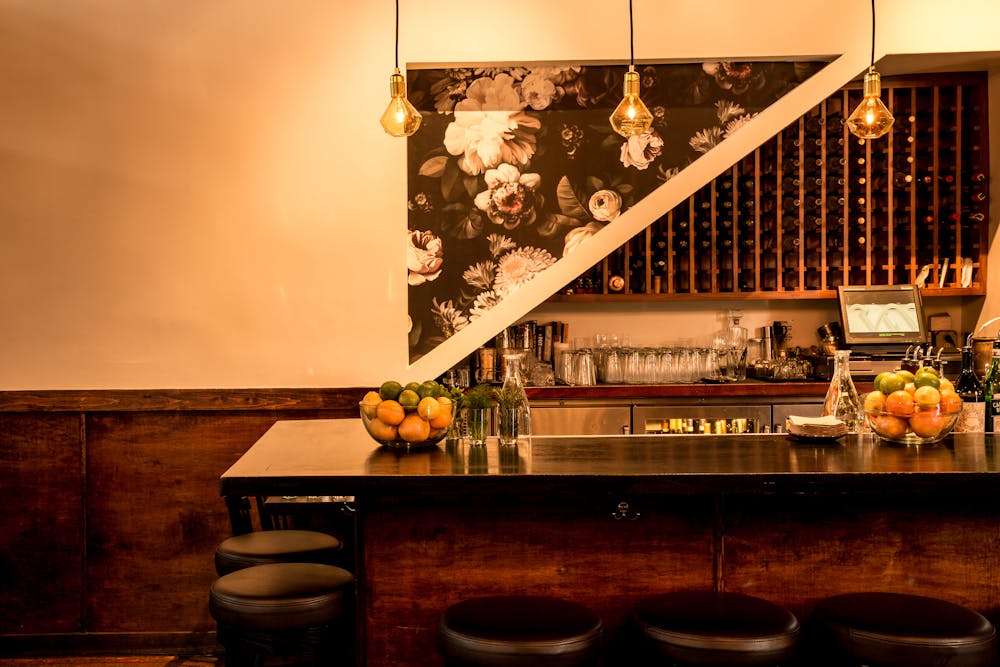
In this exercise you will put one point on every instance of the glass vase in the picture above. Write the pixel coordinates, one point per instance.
(513, 412)
(842, 400)
(477, 423)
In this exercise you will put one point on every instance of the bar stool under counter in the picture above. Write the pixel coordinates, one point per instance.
(897, 629)
(715, 628)
(520, 631)
(285, 609)
(276, 546)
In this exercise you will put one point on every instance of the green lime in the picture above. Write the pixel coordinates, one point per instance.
(408, 398)
(412, 386)
(389, 391)
(879, 378)
(906, 375)
(428, 388)
(927, 380)
(927, 369)
(892, 382)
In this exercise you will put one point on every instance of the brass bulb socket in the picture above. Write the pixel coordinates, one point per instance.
(631, 82)
(873, 84)
(397, 85)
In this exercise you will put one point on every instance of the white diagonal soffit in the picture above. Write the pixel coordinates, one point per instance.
(643, 213)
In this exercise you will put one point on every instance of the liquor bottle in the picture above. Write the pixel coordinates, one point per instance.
(991, 390)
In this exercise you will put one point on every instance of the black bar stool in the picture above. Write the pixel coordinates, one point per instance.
(715, 628)
(521, 631)
(276, 546)
(284, 609)
(898, 629)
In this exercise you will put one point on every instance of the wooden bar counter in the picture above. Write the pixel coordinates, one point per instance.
(607, 520)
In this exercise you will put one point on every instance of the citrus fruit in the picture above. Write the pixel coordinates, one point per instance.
(879, 378)
(379, 430)
(927, 369)
(927, 380)
(950, 401)
(899, 403)
(442, 421)
(875, 401)
(890, 427)
(946, 384)
(927, 423)
(428, 388)
(390, 390)
(390, 411)
(412, 386)
(408, 398)
(910, 388)
(927, 396)
(429, 408)
(890, 383)
(906, 375)
(414, 428)
(369, 403)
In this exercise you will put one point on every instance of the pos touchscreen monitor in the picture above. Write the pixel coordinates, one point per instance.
(883, 315)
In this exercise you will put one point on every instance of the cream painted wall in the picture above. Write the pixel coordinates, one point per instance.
(197, 194)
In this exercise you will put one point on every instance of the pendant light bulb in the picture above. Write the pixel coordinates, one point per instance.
(401, 119)
(631, 117)
(872, 118)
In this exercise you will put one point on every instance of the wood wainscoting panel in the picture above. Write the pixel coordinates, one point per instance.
(424, 554)
(155, 513)
(41, 553)
(796, 550)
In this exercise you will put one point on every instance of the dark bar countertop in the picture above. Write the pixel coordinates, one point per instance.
(337, 457)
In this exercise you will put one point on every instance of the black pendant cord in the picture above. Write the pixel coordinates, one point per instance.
(397, 31)
(631, 40)
(872, 65)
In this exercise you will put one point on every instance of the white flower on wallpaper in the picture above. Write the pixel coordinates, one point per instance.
(491, 126)
(640, 150)
(519, 266)
(577, 236)
(510, 199)
(424, 257)
(605, 205)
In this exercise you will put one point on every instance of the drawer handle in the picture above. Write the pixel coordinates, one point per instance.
(624, 512)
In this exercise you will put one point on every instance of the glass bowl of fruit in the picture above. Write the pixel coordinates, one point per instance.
(407, 417)
(912, 408)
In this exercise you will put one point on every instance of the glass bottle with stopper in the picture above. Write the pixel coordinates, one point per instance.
(842, 400)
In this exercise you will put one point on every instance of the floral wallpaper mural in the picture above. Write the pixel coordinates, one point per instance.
(515, 167)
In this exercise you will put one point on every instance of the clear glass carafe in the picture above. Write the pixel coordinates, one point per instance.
(842, 400)
(513, 412)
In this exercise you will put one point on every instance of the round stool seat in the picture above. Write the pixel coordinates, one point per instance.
(281, 596)
(890, 629)
(520, 630)
(275, 546)
(711, 628)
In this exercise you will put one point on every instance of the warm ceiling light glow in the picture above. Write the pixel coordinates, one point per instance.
(872, 118)
(631, 116)
(401, 119)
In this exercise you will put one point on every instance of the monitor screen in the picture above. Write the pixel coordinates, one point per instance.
(882, 315)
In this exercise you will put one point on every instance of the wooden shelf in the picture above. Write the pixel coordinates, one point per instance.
(815, 207)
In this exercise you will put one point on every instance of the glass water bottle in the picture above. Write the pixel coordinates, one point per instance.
(842, 400)
(513, 412)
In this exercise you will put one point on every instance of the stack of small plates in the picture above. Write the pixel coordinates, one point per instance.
(815, 428)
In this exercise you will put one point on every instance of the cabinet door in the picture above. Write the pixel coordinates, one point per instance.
(580, 419)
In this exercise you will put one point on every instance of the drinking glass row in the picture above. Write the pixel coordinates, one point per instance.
(650, 365)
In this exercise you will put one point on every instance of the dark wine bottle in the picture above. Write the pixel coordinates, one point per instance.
(968, 385)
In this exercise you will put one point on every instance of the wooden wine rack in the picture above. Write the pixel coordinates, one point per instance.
(815, 207)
